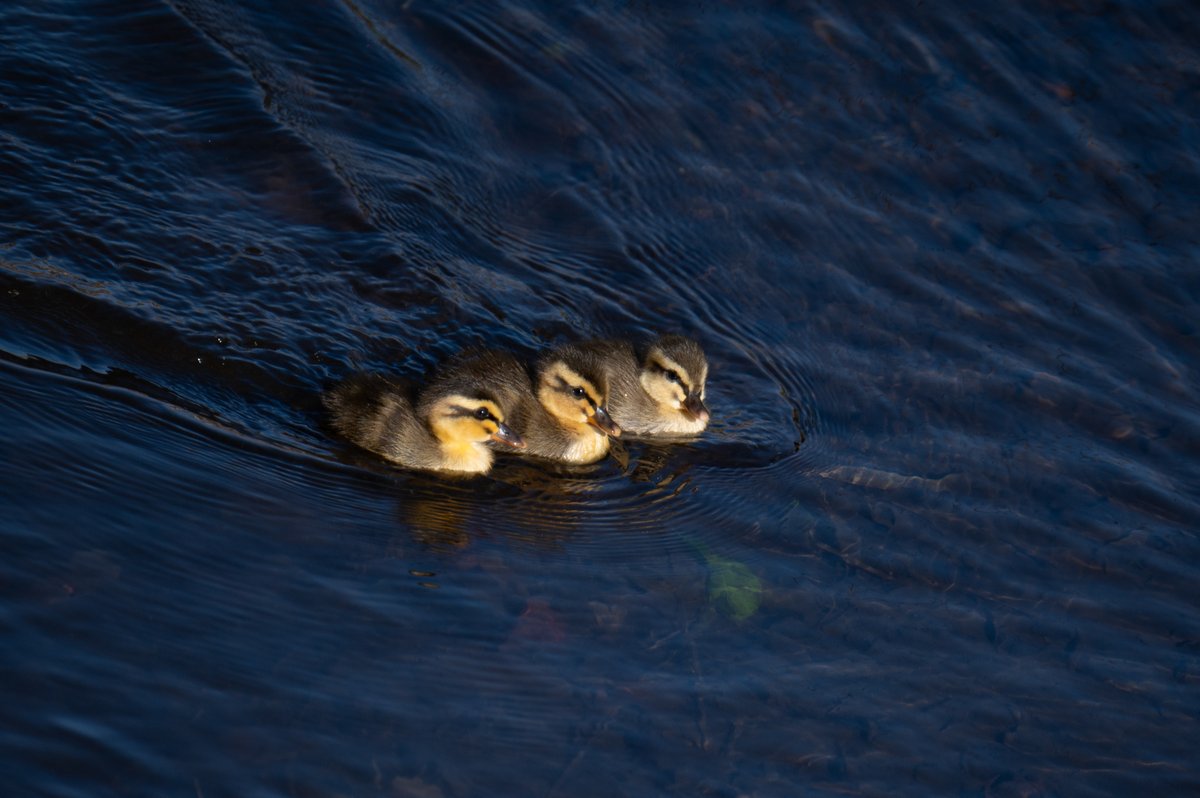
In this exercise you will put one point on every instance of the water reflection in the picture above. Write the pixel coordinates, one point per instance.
(541, 504)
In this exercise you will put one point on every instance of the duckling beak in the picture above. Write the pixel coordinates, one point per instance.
(505, 434)
(693, 407)
(602, 421)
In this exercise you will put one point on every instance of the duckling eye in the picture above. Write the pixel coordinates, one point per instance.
(577, 393)
(673, 376)
(482, 413)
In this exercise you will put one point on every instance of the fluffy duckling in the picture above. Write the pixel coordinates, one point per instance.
(560, 412)
(663, 393)
(445, 429)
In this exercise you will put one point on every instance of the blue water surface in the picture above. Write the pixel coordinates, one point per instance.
(940, 539)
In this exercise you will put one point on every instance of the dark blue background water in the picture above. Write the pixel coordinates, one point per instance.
(944, 262)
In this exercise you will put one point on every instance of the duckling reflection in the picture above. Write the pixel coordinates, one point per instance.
(438, 516)
(537, 505)
(561, 412)
(444, 429)
(663, 394)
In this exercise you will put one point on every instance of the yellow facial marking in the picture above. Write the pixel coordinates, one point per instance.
(668, 365)
(487, 404)
(457, 419)
(666, 390)
(568, 395)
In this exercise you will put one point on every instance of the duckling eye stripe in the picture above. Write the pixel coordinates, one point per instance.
(587, 397)
(679, 378)
(566, 387)
(459, 410)
(665, 365)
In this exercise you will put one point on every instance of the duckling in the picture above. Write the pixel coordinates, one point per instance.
(570, 419)
(445, 429)
(560, 412)
(664, 395)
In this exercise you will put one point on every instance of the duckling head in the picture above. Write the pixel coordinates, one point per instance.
(462, 422)
(573, 388)
(463, 419)
(674, 374)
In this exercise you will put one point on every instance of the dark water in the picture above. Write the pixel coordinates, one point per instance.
(944, 262)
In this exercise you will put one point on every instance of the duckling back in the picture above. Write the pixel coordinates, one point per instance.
(374, 412)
